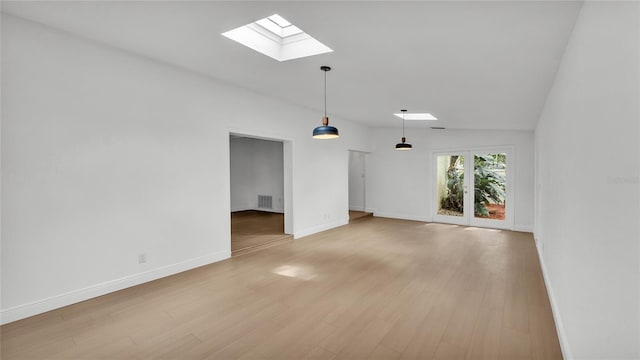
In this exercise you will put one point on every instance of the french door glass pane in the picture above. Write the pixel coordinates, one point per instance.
(490, 185)
(450, 183)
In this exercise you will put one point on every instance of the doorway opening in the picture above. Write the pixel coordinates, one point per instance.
(474, 187)
(358, 186)
(260, 193)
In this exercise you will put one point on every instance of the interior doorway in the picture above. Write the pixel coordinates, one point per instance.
(358, 185)
(260, 208)
(474, 187)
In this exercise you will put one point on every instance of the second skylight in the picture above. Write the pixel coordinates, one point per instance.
(417, 116)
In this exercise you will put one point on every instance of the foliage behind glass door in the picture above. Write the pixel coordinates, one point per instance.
(489, 172)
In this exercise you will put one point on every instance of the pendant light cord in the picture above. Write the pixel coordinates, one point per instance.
(403, 111)
(325, 93)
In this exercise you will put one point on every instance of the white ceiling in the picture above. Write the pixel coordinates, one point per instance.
(475, 65)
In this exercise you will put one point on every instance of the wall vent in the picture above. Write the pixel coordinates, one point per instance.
(265, 202)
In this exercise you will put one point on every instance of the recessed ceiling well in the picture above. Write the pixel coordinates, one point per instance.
(277, 38)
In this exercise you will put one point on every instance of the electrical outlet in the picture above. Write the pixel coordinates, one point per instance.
(142, 258)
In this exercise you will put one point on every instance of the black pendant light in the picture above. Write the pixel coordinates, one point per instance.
(325, 131)
(403, 145)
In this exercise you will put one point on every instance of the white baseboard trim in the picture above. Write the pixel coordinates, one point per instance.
(356, 208)
(279, 211)
(523, 228)
(40, 306)
(562, 336)
(319, 228)
(402, 216)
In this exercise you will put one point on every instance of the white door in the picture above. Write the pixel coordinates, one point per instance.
(357, 180)
(473, 187)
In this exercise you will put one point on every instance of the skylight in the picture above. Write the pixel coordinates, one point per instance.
(417, 116)
(277, 38)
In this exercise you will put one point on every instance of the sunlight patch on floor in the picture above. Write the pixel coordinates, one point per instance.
(295, 271)
(472, 228)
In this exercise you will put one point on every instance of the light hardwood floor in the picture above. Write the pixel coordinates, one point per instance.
(256, 230)
(378, 288)
(359, 215)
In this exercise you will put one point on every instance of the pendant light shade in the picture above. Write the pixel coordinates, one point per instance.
(403, 145)
(325, 131)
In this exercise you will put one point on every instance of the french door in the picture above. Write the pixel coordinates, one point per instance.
(474, 187)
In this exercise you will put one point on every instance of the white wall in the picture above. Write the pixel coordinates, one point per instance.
(257, 168)
(588, 205)
(403, 181)
(241, 174)
(106, 155)
(357, 180)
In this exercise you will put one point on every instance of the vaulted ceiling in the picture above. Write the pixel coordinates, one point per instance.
(475, 65)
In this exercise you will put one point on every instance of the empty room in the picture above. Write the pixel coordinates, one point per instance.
(320, 180)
